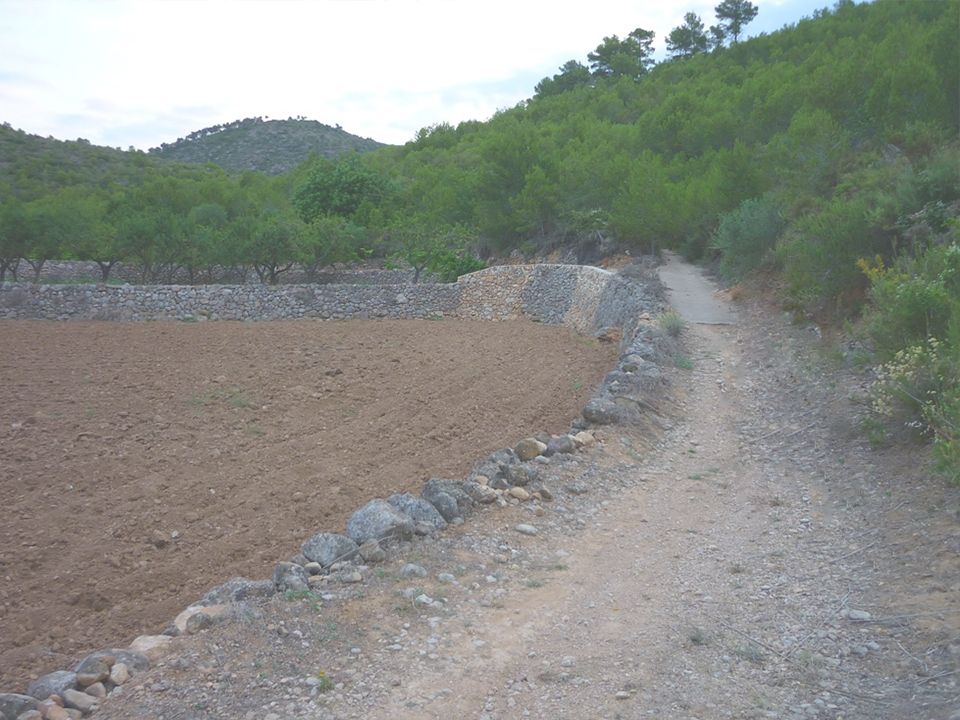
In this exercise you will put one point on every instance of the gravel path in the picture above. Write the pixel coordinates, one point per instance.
(752, 558)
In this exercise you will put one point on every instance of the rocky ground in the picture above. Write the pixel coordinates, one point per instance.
(744, 553)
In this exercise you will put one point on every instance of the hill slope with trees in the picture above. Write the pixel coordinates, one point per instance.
(270, 146)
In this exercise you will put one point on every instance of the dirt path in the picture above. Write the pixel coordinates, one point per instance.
(757, 560)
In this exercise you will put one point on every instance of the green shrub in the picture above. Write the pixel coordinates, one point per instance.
(746, 236)
(914, 301)
(451, 264)
(820, 253)
(671, 323)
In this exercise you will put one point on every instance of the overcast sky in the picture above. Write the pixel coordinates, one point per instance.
(142, 72)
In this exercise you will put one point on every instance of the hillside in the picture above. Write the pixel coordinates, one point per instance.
(33, 166)
(271, 146)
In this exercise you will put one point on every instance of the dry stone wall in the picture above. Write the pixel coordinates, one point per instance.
(585, 298)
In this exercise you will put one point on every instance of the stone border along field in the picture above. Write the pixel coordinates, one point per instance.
(587, 299)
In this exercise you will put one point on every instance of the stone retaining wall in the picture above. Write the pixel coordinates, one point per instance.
(79, 271)
(585, 298)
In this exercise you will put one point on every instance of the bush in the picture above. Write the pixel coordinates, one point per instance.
(671, 323)
(451, 264)
(820, 254)
(914, 301)
(915, 322)
(746, 236)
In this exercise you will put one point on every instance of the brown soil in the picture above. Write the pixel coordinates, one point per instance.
(141, 464)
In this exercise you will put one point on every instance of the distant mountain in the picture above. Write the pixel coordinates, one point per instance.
(271, 146)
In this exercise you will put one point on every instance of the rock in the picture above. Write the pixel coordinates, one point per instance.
(505, 456)
(119, 673)
(525, 529)
(584, 439)
(213, 613)
(379, 520)
(563, 444)
(609, 335)
(350, 577)
(290, 576)
(198, 622)
(133, 660)
(30, 715)
(92, 670)
(529, 448)
(413, 570)
(519, 493)
(576, 488)
(313, 568)
(238, 589)
(544, 492)
(52, 684)
(622, 695)
(55, 712)
(13, 704)
(446, 578)
(520, 475)
(478, 493)
(631, 363)
(371, 552)
(79, 701)
(97, 690)
(858, 615)
(418, 509)
(153, 647)
(439, 493)
(328, 548)
(602, 411)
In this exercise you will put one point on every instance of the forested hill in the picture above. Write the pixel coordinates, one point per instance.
(271, 146)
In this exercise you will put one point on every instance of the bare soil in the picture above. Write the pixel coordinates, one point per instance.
(141, 464)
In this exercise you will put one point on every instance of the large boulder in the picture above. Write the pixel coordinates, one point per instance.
(603, 411)
(448, 497)
(418, 509)
(328, 548)
(52, 684)
(12, 705)
(379, 520)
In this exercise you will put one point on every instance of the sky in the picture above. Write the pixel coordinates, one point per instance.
(141, 72)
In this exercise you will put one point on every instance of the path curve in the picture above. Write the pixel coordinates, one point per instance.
(692, 294)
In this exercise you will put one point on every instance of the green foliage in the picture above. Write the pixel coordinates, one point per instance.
(733, 15)
(746, 236)
(572, 74)
(442, 251)
(914, 321)
(269, 146)
(688, 39)
(630, 57)
(342, 189)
